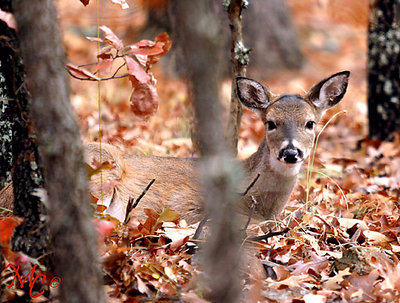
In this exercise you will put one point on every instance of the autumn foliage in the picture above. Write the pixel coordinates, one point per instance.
(138, 59)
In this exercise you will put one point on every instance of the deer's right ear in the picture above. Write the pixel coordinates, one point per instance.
(252, 94)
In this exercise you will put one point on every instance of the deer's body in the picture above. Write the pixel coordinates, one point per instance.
(289, 125)
(176, 184)
(289, 120)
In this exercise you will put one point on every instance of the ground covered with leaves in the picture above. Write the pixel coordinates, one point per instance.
(343, 221)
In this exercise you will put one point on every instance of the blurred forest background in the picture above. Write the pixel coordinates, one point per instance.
(332, 37)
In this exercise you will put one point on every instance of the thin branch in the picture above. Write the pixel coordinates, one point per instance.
(114, 75)
(133, 204)
(161, 298)
(252, 207)
(87, 64)
(269, 235)
(239, 59)
(99, 79)
(199, 229)
(250, 186)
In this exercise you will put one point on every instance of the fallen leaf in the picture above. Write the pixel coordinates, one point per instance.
(376, 238)
(334, 282)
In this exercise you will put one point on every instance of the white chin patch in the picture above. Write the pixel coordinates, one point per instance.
(285, 169)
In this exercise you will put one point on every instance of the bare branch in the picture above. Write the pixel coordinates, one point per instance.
(252, 207)
(99, 79)
(114, 75)
(250, 186)
(269, 235)
(133, 204)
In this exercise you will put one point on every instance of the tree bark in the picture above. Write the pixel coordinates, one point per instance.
(6, 121)
(6, 117)
(72, 233)
(199, 32)
(383, 69)
(19, 154)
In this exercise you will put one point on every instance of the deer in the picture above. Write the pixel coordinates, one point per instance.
(290, 128)
(290, 121)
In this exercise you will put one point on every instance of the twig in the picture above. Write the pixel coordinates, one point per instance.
(133, 204)
(98, 79)
(160, 298)
(239, 59)
(250, 186)
(87, 64)
(252, 207)
(269, 235)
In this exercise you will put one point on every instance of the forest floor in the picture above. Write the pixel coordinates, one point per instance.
(343, 243)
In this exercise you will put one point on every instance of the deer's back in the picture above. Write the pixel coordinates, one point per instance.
(175, 184)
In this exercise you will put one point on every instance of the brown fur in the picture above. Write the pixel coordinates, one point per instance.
(176, 179)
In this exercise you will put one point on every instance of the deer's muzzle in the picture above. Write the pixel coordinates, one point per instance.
(291, 154)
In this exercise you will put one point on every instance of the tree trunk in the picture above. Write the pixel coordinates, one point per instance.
(239, 61)
(72, 234)
(6, 117)
(383, 69)
(198, 30)
(19, 155)
(269, 32)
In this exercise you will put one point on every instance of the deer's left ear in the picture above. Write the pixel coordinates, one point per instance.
(329, 91)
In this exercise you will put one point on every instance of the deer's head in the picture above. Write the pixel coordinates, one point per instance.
(290, 120)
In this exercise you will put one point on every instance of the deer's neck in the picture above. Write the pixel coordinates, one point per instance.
(273, 187)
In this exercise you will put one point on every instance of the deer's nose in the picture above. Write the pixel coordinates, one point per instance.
(291, 155)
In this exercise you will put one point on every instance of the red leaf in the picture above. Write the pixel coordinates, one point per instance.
(149, 52)
(85, 2)
(7, 226)
(111, 38)
(146, 43)
(164, 40)
(105, 52)
(144, 99)
(104, 66)
(147, 48)
(136, 70)
(78, 71)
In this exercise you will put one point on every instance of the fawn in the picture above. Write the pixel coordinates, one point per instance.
(290, 122)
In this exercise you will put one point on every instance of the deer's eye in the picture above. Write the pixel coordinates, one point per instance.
(310, 125)
(270, 125)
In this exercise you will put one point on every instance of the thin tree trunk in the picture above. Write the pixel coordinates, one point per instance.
(72, 233)
(240, 59)
(199, 31)
(383, 69)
